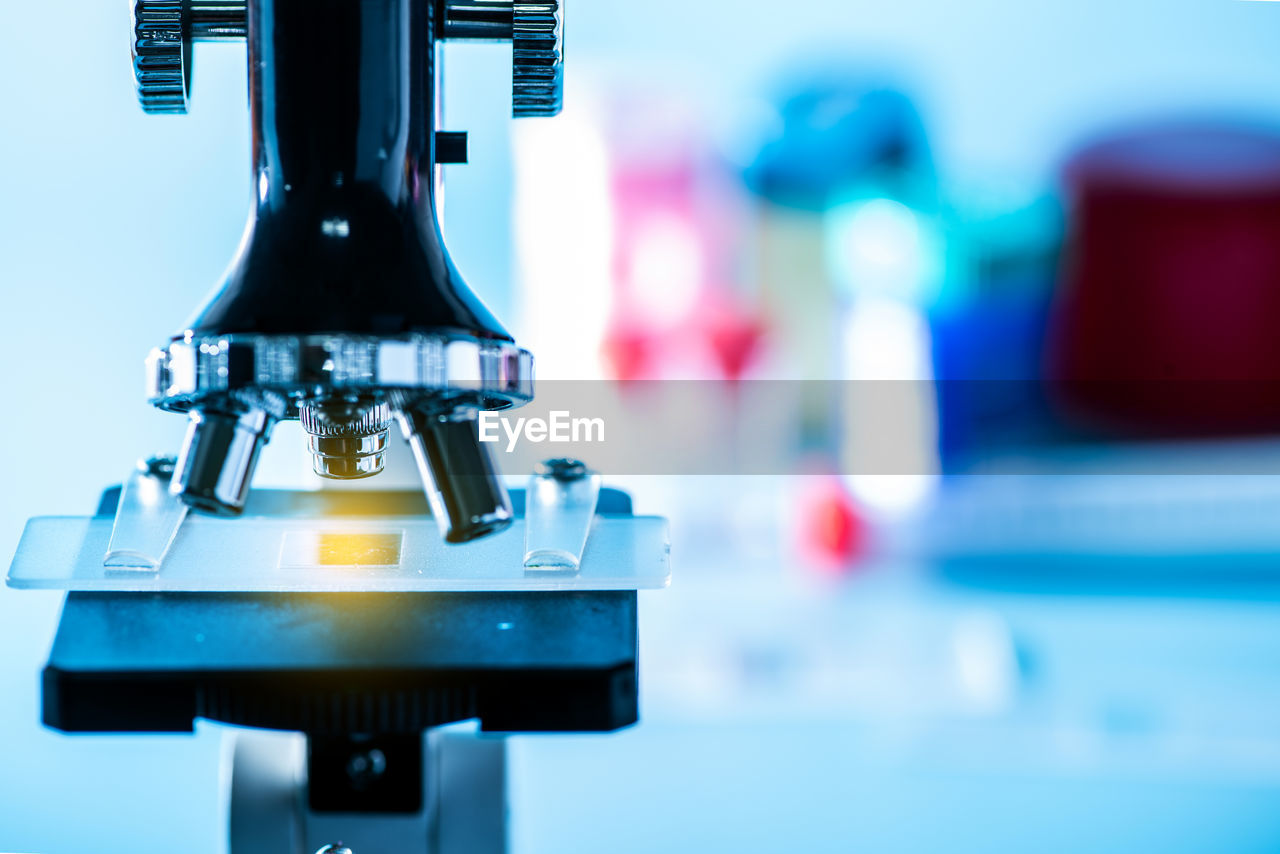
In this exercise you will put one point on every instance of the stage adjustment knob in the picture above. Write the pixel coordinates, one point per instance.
(537, 74)
(163, 32)
(536, 33)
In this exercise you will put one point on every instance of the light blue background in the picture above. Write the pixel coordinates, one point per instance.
(113, 225)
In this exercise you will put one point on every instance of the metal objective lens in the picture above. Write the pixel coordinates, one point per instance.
(218, 457)
(466, 494)
(347, 438)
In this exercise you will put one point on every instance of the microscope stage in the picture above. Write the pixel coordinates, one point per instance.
(340, 663)
(346, 662)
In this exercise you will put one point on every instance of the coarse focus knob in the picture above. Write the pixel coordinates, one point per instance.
(163, 32)
(536, 33)
(537, 74)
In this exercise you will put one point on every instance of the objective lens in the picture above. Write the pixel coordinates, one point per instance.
(218, 456)
(347, 438)
(467, 497)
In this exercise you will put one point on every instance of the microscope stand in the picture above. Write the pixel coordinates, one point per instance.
(277, 777)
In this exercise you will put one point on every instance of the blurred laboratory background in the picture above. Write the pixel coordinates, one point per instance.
(1038, 244)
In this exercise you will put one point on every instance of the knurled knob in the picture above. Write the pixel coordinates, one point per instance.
(537, 75)
(163, 31)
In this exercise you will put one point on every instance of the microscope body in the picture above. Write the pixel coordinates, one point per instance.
(343, 309)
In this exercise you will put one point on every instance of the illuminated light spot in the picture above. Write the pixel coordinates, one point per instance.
(667, 270)
(986, 662)
(564, 230)
(325, 548)
(893, 495)
(881, 247)
(335, 227)
(891, 458)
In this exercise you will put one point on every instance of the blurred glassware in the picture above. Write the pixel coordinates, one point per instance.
(988, 329)
(841, 132)
(843, 139)
(1165, 320)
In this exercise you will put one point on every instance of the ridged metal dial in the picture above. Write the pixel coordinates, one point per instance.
(537, 79)
(161, 55)
(163, 32)
(188, 372)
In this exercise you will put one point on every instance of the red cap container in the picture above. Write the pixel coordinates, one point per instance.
(1167, 318)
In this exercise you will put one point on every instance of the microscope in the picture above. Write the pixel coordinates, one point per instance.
(347, 633)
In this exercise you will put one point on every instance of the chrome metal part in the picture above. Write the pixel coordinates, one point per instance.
(163, 31)
(495, 374)
(212, 20)
(347, 436)
(559, 510)
(467, 496)
(147, 518)
(536, 33)
(562, 469)
(477, 20)
(537, 39)
(218, 457)
(343, 388)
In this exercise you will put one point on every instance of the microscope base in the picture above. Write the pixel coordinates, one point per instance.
(462, 809)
